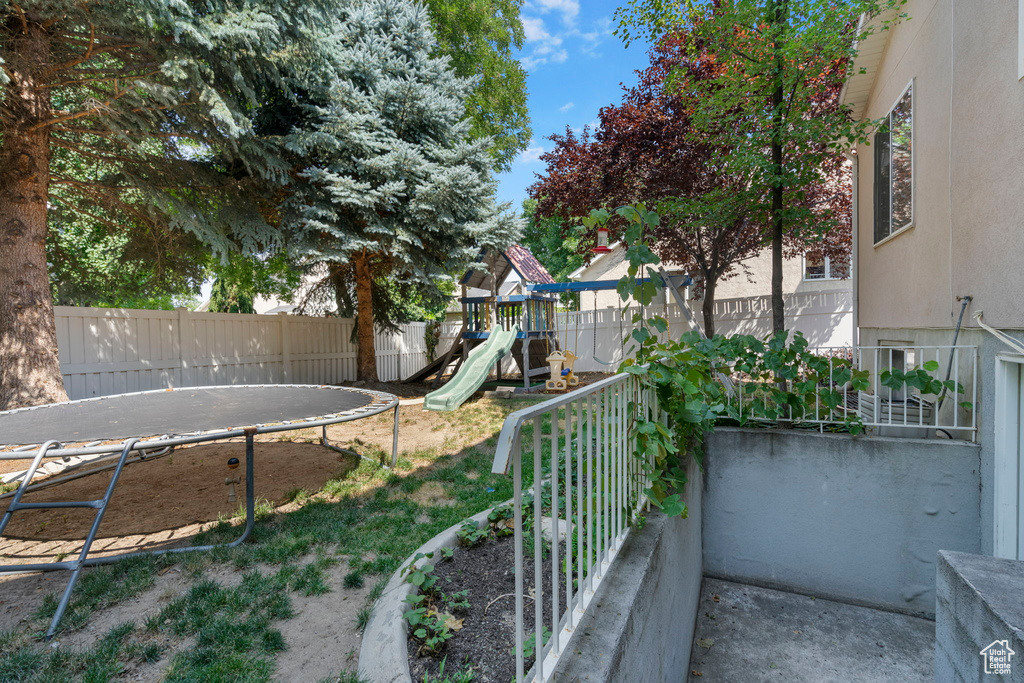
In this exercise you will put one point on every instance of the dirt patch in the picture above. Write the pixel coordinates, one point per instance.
(486, 641)
(431, 494)
(322, 637)
(164, 501)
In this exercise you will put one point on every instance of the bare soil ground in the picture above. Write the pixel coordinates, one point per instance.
(165, 501)
(485, 642)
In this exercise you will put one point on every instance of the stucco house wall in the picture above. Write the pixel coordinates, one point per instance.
(967, 235)
(821, 309)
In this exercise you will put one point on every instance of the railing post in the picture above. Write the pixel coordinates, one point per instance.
(517, 488)
(538, 549)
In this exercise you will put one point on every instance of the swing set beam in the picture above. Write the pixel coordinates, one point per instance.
(592, 286)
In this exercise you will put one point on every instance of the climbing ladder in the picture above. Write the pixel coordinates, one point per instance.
(74, 566)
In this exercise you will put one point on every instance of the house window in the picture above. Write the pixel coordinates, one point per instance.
(894, 168)
(822, 268)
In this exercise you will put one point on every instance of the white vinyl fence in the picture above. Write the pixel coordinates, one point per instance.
(595, 336)
(107, 351)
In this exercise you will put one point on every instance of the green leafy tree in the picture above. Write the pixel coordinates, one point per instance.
(228, 297)
(774, 101)
(392, 187)
(479, 37)
(555, 245)
(270, 275)
(91, 265)
(137, 114)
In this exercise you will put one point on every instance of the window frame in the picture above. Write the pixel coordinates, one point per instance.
(1020, 40)
(912, 88)
(828, 270)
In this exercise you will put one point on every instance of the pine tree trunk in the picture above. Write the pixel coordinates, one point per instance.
(708, 308)
(366, 357)
(29, 362)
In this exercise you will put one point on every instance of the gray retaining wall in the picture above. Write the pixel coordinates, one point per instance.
(639, 628)
(980, 607)
(857, 519)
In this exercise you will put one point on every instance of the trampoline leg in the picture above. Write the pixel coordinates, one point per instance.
(250, 490)
(348, 451)
(25, 483)
(394, 442)
(101, 508)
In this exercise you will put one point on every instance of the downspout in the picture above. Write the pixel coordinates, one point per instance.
(855, 257)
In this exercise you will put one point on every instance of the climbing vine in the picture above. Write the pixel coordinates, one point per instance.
(778, 379)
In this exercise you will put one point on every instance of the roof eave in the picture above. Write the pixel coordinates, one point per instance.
(860, 85)
(575, 275)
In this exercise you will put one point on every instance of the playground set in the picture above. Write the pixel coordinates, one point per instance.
(522, 322)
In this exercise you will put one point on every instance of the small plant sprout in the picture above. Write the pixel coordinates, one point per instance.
(456, 601)
(421, 576)
(501, 520)
(530, 646)
(470, 535)
(431, 628)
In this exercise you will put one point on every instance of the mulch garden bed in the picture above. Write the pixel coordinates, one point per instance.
(486, 641)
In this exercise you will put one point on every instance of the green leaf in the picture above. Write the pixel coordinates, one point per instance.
(931, 366)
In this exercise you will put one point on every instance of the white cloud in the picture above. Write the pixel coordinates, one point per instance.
(567, 8)
(544, 47)
(531, 154)
(535, 30)
(566, 107)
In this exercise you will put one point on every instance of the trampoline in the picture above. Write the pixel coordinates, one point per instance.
(129, 428)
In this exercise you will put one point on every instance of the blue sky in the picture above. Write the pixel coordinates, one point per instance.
(574, 66)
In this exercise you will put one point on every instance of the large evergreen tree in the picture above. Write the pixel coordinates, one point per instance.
(390, 184)
(137, 113)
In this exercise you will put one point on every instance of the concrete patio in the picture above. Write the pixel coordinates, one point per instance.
(746, 633)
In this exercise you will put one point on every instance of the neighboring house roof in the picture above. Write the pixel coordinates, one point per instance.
(578, 273)
(527, 265)
(515, 258)
(870, 51)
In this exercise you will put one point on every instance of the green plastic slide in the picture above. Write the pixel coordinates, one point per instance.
(473, 372)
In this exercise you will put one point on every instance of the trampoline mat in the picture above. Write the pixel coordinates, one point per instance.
(174, 412)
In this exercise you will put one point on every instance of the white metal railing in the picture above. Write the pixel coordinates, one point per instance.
(953, 409)
(578, 446)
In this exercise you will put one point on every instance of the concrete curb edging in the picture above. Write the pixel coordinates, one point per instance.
(384, 654)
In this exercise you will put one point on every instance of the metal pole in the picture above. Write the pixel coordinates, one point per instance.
(394, 441)
(250, 484)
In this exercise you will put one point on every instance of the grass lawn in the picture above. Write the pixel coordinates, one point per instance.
(223, 622)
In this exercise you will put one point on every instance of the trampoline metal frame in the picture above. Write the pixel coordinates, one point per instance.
(53, 449)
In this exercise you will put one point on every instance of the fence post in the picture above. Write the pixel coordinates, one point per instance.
(286, 349)
(186, 335)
